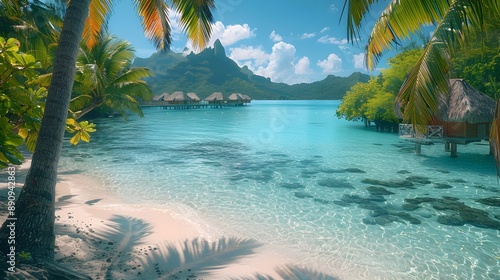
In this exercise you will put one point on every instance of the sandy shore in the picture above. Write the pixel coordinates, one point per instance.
(105, 238)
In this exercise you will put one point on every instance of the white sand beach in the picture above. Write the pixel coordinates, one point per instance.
(98, 235)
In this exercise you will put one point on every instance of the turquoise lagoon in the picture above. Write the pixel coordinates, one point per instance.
(290, 174)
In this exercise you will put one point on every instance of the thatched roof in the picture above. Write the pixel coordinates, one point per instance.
(235, 97)
(463, 103)
(216, 96)
(239, 96)
(466, 104)
(178, 96)
(246, 97)
(161, 97)
(193, 96)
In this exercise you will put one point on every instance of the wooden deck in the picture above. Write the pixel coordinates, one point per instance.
(428, 135)
(191, 105)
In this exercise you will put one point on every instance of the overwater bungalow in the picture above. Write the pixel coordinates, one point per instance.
(180, 97)
(161, 97)
(465, 116)
(216, 99)
(194, 97)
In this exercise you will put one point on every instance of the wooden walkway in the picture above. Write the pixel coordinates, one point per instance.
(190, 105)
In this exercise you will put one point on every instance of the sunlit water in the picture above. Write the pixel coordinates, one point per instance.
(281, 172)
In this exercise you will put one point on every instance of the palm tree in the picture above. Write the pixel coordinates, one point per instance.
(455, 22)
(104, 78)
(35, 211)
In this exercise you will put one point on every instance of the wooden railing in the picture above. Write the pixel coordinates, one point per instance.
(431, 131)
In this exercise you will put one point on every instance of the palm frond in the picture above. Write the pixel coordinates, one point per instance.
(196, 20)
(419, 94)
(132, 75)
(356, 11)
(398, 21)
(456, 18)
(154, 15)
(96, 21)
(429, 77)
(80, 102)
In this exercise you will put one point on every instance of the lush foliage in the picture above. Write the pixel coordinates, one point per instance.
(21, 104)
(479, 64)
(456, 23)
(374, 101)
(355, 103)
(35, 24)
(105, 79)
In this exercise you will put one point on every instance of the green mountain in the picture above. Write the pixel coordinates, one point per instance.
(211, 71)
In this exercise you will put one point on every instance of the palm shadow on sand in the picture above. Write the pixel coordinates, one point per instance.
(290, 272)
(120, 253)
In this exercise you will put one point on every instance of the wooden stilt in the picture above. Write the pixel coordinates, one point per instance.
(492, 150)
(418, 148)
(453, 150)
(447, 146)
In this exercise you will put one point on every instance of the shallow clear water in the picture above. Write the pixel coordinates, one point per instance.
(289, 173)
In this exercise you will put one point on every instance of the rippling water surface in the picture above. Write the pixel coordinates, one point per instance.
(291, 174)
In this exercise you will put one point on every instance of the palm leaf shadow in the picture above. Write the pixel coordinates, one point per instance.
(199, 255)
(295, 272)
(291, 272)
(64, 201)
(127, 232)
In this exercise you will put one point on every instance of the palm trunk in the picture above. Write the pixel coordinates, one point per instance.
(87, 110)
(34, 227)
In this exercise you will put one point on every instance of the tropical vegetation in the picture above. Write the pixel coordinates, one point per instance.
(456, 22)
(374, 101)
(35, 209)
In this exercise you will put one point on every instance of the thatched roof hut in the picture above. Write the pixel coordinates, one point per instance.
(216, 96)
(193, 96)
(246, 97)
(465, 115)
(235, 97)
(177, 97)
(465, 104)
(161, 97)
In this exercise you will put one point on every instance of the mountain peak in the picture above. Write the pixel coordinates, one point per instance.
(219, 50)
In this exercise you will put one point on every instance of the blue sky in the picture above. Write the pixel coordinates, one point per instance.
(288, 41)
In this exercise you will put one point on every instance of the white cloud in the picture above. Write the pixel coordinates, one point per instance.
(249, 55)
(333, 8)
(275, 37)
(303, 66)
(344, 48)
(230, 34)
(307, 35)
(332, 64)
(284, 67)
(324, 30)
(280, 67)
(332, 40)
(359, 61)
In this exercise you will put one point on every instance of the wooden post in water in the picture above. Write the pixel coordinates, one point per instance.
(446, 146)
(418, 148)
(453, 150)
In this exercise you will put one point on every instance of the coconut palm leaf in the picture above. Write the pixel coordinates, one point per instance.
(154, 16)
(418, 97)
(96, 21)
(356, 11)
(133, 74)
(196, 19)
(105, 77)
